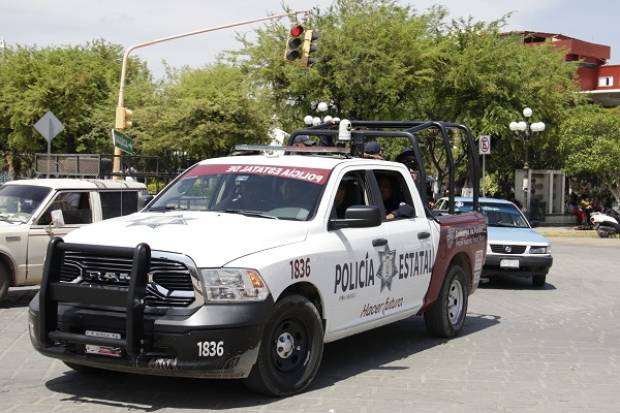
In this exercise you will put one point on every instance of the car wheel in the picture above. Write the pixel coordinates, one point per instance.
(539, 280)
(5, 282)
(602, 233)
(445, 318)
(291, 349)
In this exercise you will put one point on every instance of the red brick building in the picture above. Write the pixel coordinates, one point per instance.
(597, 79)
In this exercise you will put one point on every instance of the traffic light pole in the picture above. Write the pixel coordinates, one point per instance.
(121, 92)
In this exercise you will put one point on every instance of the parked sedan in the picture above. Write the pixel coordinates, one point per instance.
(513, 246)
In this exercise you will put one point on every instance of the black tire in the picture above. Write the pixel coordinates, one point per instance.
(442, 319)
(603, 233)
(539, 280)
(5, 282)
(282, 370)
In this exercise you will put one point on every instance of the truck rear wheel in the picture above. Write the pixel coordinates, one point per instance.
(5, 282)
(445, 318)
(291, 349)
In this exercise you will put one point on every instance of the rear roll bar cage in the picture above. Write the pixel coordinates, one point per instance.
(409, 130)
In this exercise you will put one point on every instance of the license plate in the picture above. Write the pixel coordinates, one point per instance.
(103, 350)
(509, 263)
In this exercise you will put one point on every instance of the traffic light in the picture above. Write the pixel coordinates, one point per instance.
(309, 47)
(124, 118)
(294, 44)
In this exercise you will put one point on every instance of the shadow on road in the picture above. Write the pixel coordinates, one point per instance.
(379, 349)
(513, 282)
(19, 297)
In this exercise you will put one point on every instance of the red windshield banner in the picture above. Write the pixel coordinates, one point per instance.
(312, 175)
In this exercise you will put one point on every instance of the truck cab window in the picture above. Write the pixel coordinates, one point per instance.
(352, 190)
(75, 207)
(117, 203)
(395, 194)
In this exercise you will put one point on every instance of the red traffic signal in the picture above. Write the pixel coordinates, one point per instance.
(297, 30)
(294, 44)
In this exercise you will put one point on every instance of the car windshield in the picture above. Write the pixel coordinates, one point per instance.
(19, 202)
(497, 215)
(276, 192)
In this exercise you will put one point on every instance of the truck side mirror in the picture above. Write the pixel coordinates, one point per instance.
(358, 216)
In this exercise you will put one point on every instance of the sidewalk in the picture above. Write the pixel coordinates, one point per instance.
(571, 231)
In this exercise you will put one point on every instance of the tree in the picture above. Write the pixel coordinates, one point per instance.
(372, 57)
(202, 113)
(78, 83)
(383, 60)
(590, 142)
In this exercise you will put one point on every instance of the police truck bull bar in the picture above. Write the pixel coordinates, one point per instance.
(54, 292)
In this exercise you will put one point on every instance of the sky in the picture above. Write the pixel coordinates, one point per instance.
(62, 22)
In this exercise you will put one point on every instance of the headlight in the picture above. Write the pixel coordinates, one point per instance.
(233, 285)
(540, 250)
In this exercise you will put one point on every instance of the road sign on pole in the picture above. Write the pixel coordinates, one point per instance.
(49, 127)
(484, 149)
(122, 142)
(484, 145)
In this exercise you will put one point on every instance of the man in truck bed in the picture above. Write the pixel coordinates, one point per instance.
(243, 282)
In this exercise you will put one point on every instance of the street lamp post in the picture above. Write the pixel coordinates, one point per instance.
(121, 92)
(525, 130)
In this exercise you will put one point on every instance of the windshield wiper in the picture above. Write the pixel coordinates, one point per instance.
(502, 224)
(246, 213)
(12, 221)
(162, 208)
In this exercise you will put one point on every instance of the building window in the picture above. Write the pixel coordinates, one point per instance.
(604, 81)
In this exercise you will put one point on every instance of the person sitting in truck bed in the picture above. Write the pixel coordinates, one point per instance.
(372, 150)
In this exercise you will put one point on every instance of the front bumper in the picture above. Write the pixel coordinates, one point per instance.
(170, 344)
(529, 265)
(111, 327)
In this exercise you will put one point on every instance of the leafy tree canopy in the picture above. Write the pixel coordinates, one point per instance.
(590, 141)
(78, 84)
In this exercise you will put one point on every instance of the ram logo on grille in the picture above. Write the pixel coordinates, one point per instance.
(108, 276)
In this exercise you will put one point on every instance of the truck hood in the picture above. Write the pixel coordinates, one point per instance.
(515, 235)
(211, 239)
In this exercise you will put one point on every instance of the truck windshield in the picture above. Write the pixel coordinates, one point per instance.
(497, 215)
(19, 202)
(276, 192)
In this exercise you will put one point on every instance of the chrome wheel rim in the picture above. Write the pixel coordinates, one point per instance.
(455, 302)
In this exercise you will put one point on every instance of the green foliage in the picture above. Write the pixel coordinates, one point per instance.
(383, 60)
(79, 84)
(202, 113)
(590, 142)
(371, 56)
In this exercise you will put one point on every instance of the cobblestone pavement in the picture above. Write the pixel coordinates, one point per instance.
(523, 350)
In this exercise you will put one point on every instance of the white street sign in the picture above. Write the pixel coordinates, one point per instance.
(49, 126)
(484, 145)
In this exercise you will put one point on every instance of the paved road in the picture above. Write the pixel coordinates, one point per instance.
(523, 350)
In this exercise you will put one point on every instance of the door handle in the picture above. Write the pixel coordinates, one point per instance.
(379, 242)
(424, 235)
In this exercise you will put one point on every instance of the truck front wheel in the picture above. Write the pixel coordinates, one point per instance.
(291, 349)
(445, 318)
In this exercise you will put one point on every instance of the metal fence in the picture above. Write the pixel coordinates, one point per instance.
(154, 171)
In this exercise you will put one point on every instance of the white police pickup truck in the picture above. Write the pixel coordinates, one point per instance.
(245, 266)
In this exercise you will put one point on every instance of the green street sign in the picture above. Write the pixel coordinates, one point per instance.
(122, 142)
